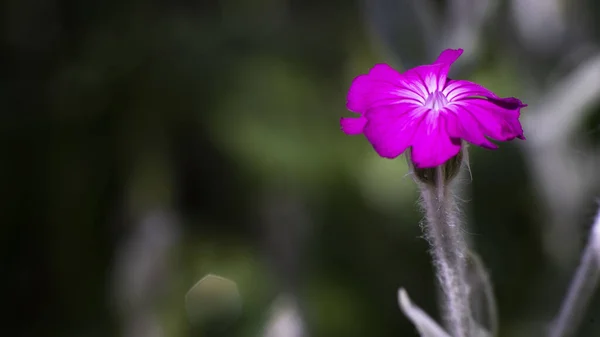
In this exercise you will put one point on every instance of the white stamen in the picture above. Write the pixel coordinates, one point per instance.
(436, 101)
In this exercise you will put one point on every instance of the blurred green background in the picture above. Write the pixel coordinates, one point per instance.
(149, 143)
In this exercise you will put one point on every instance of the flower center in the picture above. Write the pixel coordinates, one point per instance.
(436, 101)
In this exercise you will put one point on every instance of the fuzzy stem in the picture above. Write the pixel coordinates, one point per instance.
(449, 251)
(582, 287)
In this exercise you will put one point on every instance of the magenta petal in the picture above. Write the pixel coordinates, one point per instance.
(461, 124)
(516, 127)
(381, 86)
(353, 126)
(509, 103)
(497, 122)
(434, 76)
(390, 129)
(432, 145)
(431, 77)
(449, 56)
(460, 89)
(508, 109)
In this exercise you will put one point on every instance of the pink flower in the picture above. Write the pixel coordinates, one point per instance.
(424, 109)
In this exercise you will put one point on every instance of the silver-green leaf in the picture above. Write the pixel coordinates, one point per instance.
(426, 325)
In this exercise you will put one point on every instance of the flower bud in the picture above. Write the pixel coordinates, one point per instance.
(450, 170)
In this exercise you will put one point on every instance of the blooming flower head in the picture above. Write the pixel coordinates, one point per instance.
(424, 109)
